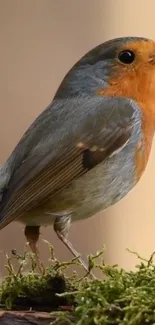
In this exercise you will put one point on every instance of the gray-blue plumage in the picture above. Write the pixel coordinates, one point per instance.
(75, 116)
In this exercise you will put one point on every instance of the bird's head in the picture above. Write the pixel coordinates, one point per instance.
(119, 67)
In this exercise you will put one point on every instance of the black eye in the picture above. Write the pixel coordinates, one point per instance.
(126, 57)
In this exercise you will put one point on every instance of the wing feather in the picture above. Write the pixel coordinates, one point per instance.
(82, 134)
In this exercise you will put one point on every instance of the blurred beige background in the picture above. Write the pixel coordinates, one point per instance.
(39, 41)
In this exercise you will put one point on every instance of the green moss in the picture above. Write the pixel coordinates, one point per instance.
(123, 297)
(34, 290)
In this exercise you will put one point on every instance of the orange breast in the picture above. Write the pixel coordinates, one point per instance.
(147, 106)
(143, 150)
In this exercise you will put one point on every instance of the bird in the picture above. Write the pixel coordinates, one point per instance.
(89, 147)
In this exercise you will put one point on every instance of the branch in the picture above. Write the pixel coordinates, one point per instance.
(28, 318)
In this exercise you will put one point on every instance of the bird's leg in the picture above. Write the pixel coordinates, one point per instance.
(32, 235)
(61, 227)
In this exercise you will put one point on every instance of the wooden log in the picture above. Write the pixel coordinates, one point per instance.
(29, 318)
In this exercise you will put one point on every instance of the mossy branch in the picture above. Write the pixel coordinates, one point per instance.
(29, 318)
(122, 298)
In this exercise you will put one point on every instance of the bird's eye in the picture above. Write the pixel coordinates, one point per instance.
(126, 56)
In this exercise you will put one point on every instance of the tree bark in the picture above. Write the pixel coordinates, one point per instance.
(28, 318)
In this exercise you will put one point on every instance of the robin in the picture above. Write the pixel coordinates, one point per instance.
(89, 147)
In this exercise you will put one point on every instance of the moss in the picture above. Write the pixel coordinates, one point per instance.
(35, 290)
(123, 297)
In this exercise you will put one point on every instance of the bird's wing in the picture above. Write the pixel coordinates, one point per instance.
(68, 139)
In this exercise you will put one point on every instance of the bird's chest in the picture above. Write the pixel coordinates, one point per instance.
(143, 147)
